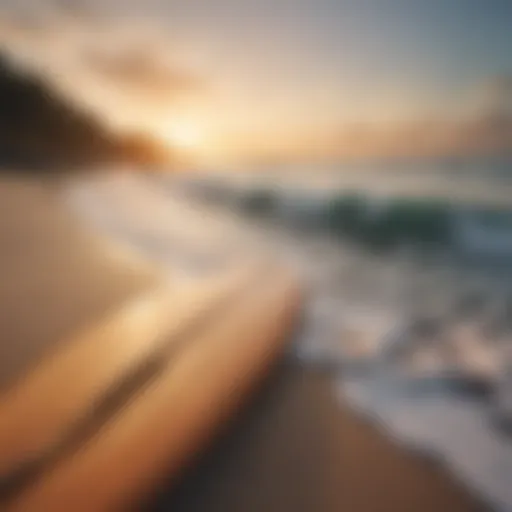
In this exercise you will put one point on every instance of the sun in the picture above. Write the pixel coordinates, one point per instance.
(183, 135)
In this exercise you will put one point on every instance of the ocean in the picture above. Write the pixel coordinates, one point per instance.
(442, 392)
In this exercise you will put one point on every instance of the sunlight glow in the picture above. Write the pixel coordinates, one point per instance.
(183, 135)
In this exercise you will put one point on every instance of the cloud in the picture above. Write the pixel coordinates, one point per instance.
(76, 9)
(494, 96)
(142, 69)
(36, 9)
(123, 64)
(501, 85)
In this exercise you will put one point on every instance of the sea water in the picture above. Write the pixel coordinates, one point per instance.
(425, 402)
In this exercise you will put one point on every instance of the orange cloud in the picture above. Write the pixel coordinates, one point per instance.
(141, 69)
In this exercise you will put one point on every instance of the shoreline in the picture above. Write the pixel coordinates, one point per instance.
(296, 448)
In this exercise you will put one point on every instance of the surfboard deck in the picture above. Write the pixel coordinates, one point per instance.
(135, 375)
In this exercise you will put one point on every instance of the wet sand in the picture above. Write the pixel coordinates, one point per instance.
(295, 449)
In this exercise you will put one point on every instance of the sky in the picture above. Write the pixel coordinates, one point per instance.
(256, 79)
